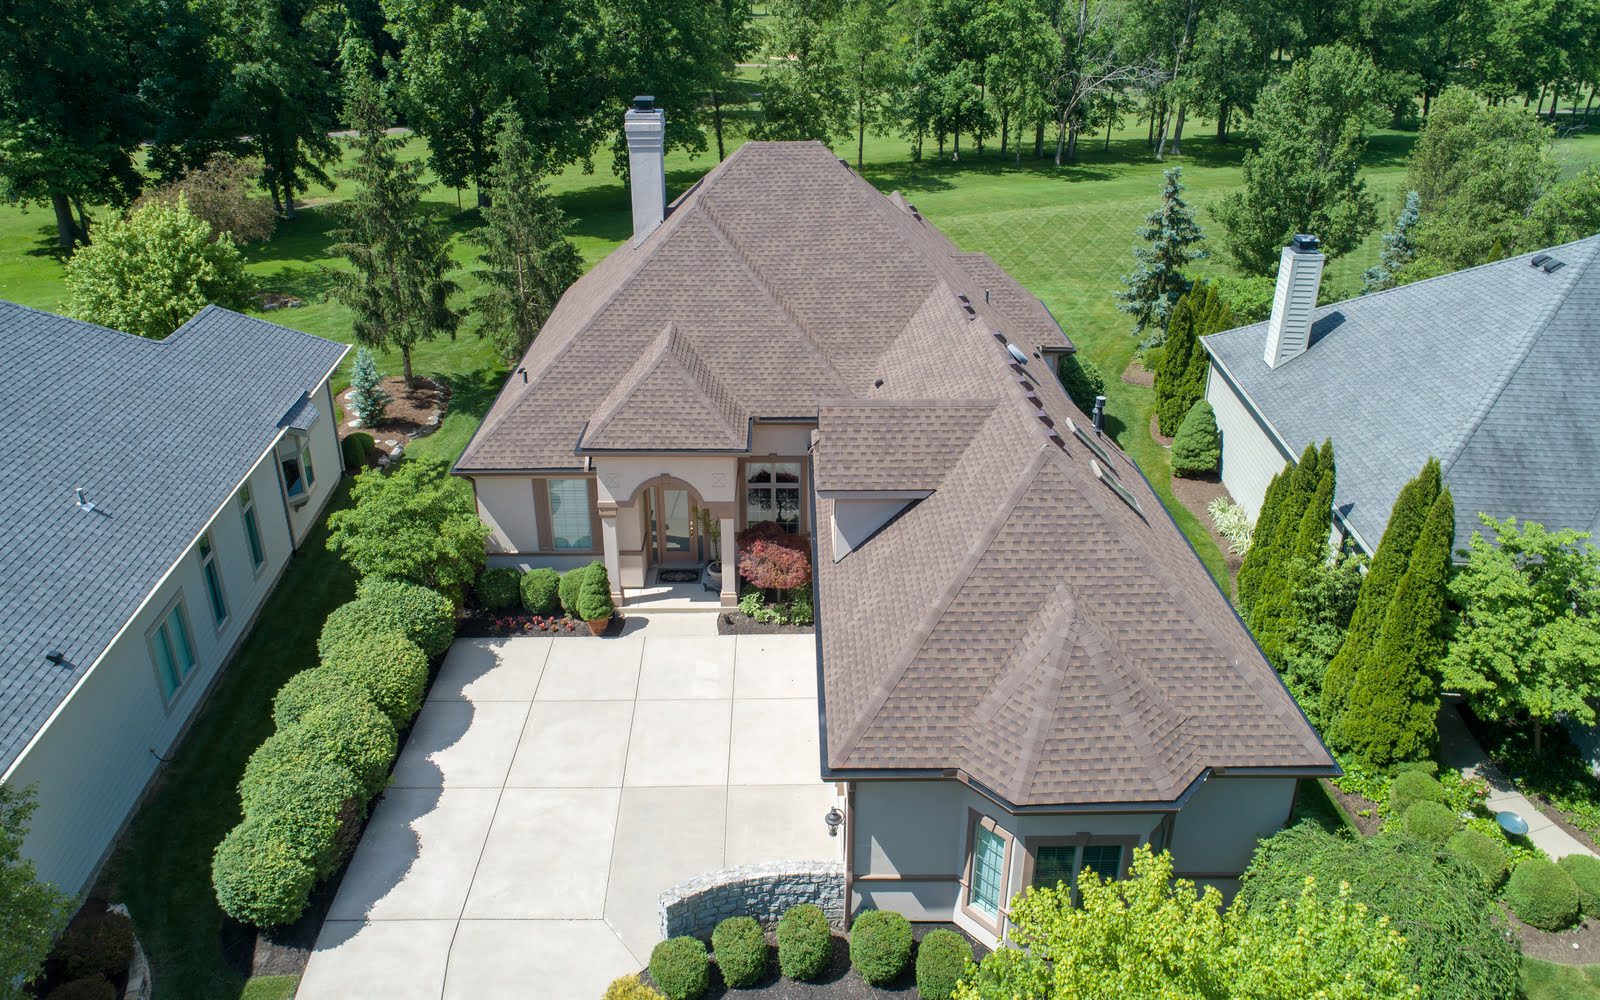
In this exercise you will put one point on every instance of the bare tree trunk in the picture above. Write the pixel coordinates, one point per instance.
(955, 147)
(1150, 139)
(861, 129)
(1005, 129)
(66, 225)
(1038, 139)
(1177, 133)
(1222, 122)
(1538, 738)
(1072, 140)
(1589, 105)
(1107, 146)
(716, 122)
(1061, 140)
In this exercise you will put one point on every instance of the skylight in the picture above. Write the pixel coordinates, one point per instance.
(1093, 445)
(1110, 479)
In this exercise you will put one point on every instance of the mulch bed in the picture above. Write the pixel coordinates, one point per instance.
(1197, 494)
(476, 623)
(738, 623)
(1578, 945)
(1135, 374)
(1354, 805)
(415, 409)
(268, 301)
(838, 982)
(1155, 432)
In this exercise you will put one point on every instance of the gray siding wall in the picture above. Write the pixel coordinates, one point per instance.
(1250, 457)
(93, 761)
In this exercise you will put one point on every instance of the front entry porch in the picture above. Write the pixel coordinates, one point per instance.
(657, 594)
(668, 526)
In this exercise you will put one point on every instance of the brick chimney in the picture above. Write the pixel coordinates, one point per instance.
(1295, 299)
(646, 129)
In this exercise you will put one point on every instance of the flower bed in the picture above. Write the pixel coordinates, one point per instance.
(480, 624)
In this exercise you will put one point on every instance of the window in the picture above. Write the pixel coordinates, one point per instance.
(1105, 860)
(171, 649)
(1053, 864)
(299, 475)
(772, 493)
(1061, 862)
(252, 530)
(571, 520)
(988, 871)
(208, 566)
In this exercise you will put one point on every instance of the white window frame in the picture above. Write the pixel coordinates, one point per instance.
(254, 546)
(211, 573)
(771, 489)
(175, 611)
(301, 461)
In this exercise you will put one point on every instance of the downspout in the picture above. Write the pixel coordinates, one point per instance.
(849, 848)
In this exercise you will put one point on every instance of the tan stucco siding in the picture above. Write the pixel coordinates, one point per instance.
(784, 440)
(1250, 458)
(505, 504)
(1216, 831)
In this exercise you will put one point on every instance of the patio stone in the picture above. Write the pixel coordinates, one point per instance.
(679, 667)
(546, 856)
(776, 666)
(664, 835)
(678, 743)
(491, 670)
(417, 855)
(591, 669)
(573, 744)
(774, 742)
(458, 744)
(393, 959)
(780, 823)
(526, 958)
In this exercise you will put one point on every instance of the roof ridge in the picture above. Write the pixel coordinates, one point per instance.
(624, 388)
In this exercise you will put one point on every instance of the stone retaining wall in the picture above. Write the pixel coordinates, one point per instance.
(763, 891)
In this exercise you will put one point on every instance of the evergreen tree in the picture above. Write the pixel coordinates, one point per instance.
(1181, 376)
(1197, 449)
(398, 288)
(1261, 538)
(1170, 241)
(529, 260)
(1296, 553)
(1398, 249)
(1324, 600)
(369, 399)
(1082, 379)
(1272, 553)
(1395, 697)
(1377, 588)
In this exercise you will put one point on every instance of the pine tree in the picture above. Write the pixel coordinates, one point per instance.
(368, 399)
(528, 259)
(1171, 241)
(397, 287)
(1398, 248)
(1395, 697)
(1383, 575)
(1181, 377)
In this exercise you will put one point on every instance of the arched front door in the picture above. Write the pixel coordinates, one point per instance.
(672, 534)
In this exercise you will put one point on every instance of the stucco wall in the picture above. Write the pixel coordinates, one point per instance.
(1250, 458)
(786, 440)
(714, 477)
(1217, 829)
(505, 504)
(94, 759)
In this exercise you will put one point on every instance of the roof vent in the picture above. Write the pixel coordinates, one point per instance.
(56, 656)
(84, 503)
(1110, 479)
(1018, 353)
(1538, 260)
(644, 102)
(1552, 265)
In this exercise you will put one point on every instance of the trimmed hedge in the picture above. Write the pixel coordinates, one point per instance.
(1543, 895)
(740, 946)
(305, 691)
(594, 596)
(424, 616)
(567, 589)
(88, 988)
(357, 448)
(1432, 822)
(1483, 853)
(1412, 786)
(389, 669)
(681, 968)
(942, 957)
(541, 591)
(630, 988)
(258, 878)
(313, 810)
(499, 587)
(805, 942)
(96, 944)
(880, 945)
(351, 733)
(1585, 873)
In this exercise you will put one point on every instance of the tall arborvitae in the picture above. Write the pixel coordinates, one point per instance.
(1273, 617)
(1395, 697)
(1383, 575)
(1181, 377)
(1261, 538)
(1276, 550)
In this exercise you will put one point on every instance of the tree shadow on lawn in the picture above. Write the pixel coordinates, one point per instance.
(47, 243)
(472, 393)
(308, 282)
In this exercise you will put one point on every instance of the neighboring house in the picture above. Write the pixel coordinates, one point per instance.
(1494, 370)
(1025, 669)
(151, 494)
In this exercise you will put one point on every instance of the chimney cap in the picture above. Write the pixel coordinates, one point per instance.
(644, 102)
(1304, 243)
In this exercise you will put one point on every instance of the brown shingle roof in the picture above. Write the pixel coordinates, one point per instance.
(1020, 623)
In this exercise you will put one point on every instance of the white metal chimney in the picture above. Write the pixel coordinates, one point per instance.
(1294, 300)
(646, 128)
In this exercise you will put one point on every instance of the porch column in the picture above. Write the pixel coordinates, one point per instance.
(613, 554)
(730, 563)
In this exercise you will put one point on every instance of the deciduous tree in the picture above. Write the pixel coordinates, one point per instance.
(223, 193)
(32, 912)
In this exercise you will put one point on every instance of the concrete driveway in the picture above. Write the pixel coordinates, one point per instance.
(551, 789)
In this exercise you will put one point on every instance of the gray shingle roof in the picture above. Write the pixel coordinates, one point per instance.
(1494, 370)
(158, 434)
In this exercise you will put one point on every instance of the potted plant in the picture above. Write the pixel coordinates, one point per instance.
(711, 528)
(594, 599)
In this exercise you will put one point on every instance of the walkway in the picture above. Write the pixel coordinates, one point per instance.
(552, 788)
(1458, 749)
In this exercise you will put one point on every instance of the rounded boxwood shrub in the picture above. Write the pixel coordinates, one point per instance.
(1542, 894)
(567, 589)
(630, 988)
(305, 691)
(594, 597)
(681, 968)
(1431, 821)
(424, 616)
(1483, 853)
(350, 733)
(805, 943)
(311, 809)
(541, 591)
(88, 988)
(1411, 787)
(357, 448)
(740, 946)
(880, 945)
(499, 587)
(98, 943)
(258, 879)
(1585, 872)
(389, 668)
(942, 957)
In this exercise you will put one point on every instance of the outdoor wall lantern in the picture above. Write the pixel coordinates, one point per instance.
(835, 819)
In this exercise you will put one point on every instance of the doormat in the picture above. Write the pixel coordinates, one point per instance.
(678, 576)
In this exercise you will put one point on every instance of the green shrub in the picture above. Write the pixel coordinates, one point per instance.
(1486, 856)
(541, 591)
(740, 946)
(498, 587)
(1410, 787)
(389, 669)
(1083, 381)
(880, 945)
(805, 942)
(313, 810)
(1197, 449)
(1543, 895)
(357, 448)
(88, 988)
(424, 616)
(305, 691)
(258, 879)
(1585, 872)
(351, 733)
(1432, 822)
(98, 943)
(567, 589)
(942, 957)
(681, 968)
(594, 597)
(1250, 298)
(630, 988)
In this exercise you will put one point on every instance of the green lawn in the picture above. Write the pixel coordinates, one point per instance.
(1547, 981)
